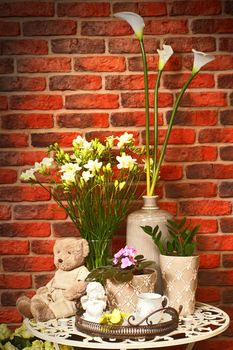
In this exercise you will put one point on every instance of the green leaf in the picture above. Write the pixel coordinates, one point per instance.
(147, 229)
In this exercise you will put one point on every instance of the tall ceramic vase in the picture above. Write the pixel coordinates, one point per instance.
(150, 214)
(179, 274)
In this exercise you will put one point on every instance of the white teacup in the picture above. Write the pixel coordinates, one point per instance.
(147, 303)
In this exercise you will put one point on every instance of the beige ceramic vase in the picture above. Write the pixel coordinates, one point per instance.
(124, 295)
(149, 215)
(179, 275)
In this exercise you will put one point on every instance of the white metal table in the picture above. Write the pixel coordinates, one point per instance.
(207, 322)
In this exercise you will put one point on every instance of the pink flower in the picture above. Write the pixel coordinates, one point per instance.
(126, 262)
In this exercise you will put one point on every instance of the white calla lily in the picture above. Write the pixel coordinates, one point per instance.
(135, 21)
(164, 55)
(200, 60)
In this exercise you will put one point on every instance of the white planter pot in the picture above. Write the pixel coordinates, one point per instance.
(179, 275)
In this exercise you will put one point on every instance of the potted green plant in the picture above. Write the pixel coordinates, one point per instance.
(178, 262)
(125, 278)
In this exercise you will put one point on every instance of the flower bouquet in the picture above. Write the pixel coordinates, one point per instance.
(95, 184)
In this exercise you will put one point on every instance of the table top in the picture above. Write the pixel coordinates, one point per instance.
(206, 322)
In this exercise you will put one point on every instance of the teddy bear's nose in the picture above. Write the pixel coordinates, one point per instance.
(60, 260)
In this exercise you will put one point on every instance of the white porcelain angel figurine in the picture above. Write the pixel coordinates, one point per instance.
(94, 302)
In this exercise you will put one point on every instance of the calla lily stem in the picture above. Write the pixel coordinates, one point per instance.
(156, 117)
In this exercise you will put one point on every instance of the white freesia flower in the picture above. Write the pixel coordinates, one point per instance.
(70, 167)
(200, 60)
(110, 141)
(125, 161)
(81, 142)
(93, 165)
(37, 166)
(28, 175)
(135, 21)
(86, 175)
(47, 161)
(124, 139)
(68, 176)
(164, 55)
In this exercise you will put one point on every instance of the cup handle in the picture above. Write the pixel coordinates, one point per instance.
(165, 301)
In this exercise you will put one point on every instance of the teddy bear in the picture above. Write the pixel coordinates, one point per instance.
(58, 298)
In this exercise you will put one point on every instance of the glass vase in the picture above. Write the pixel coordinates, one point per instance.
(100, 253)
(149, 215)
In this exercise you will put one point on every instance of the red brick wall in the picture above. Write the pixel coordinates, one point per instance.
(69, 69)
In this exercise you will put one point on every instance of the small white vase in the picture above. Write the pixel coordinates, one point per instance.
(151, 215)
(179, 274)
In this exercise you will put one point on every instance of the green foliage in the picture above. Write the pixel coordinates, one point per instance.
(118, 274)
(181, 241)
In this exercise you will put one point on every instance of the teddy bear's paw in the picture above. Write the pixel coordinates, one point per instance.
(41, 311)
(23, 305)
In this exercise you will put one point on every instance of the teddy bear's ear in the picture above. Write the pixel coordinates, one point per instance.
(85, 246)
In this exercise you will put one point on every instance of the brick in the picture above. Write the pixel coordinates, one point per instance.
(93, 9)
(5, 212)
(209, 171)
(14, 247)
(153, 9)
(10, 298)
(105, 28)
(226, 44)
(6, 65)
(91, 101)
(3, 103)
(226, 117)
(227, 295)
(226, 225)
(135, 63)
(207, 225)
(25, 47)
(226, 189)
(226, 153)
(45, 139)
(209, 261)
(227, 260)
(186, 44)
(22, 84)
(171, 172)
(28, 264)
(25, 229)
(23, 193)
(26, 9)
(13, 140)
(190, 190)
(15, 281)
(50, 27)
(216, 135)
(41, 280)
(27, 121)
(125, 6)
(175, 81)
(215, 278)
(42, 246)
(221, 62)
(204, 99)
(207, 26)
(161, 27)
(128, 82)
(132, 118)
(191, 154)
(8, 176)
(228, 7)
(177, 136)
(41, 102)
(9, 28)
(208, 294)
(195, 8)
(205, 207)
(100, 64)
(131, 45)
(20, 158)
(44, 64)
(83, 120)
(215, 242)
(136, 99)
(81, 46)
(10, 315)
(65, 229)
(225, 81)
(171, 207)
(40, 211)
(75, 82)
